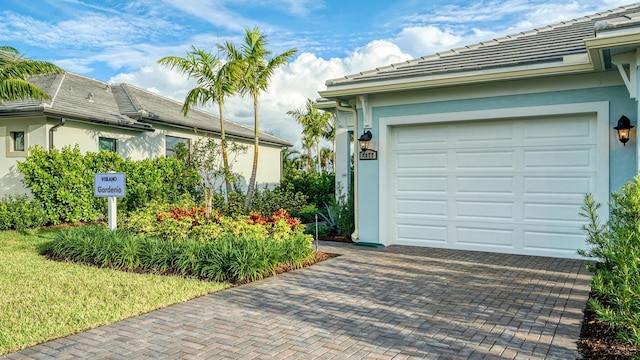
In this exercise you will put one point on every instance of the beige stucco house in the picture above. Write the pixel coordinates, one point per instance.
(115, 117)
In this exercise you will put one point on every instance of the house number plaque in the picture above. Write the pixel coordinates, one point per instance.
(368, 154)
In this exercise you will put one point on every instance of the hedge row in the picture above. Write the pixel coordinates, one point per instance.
(61, 181)
(230, 258)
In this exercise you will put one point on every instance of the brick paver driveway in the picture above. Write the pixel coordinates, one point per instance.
(392, 303)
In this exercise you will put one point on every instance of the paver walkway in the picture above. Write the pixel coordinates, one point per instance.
(392, 303)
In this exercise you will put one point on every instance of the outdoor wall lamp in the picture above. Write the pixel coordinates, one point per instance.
(364, 140)
(624, 128)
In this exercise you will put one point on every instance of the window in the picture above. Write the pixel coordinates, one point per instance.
(17, 141)
(172, 141)
(107, 144)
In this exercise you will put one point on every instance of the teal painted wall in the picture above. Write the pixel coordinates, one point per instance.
(622, 159)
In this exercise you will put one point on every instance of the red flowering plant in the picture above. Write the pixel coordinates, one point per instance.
(280, 225)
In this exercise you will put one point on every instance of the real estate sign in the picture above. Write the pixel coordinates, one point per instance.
(109, 185)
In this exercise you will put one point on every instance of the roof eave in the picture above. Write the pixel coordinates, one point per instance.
(95, 120)
(596, 46)
(283, 143)
(452, 79)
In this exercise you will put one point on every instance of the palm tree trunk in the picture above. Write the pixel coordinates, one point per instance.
(254, 169)
(225, 159)
(333, 154)
(318, 155)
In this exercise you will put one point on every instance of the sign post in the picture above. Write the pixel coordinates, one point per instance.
(110, 185)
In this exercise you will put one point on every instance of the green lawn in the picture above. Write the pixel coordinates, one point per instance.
(42, 300)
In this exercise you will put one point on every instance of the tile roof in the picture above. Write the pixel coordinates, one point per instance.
(121, 105)
(539, 46)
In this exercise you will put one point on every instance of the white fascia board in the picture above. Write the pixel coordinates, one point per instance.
(456, 79)
(595, 46)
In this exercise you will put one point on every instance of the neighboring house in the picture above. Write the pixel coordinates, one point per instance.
(493, 146)
(115, 117)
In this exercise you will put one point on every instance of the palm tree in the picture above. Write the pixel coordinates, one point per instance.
(313, 123)
(15, 69)
(258, 68)
(326, 156)
(289, 161)
(215, 82)
(307, 143)
(329, 133)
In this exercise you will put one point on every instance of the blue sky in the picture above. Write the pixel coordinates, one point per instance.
(120, 41)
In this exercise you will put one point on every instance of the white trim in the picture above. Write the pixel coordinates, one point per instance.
(346, 88)
(366, 111)
(630, 80)
(601, 109)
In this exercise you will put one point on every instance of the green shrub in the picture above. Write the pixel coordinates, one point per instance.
(307, 214)
(62, 181)
(323, 230)
(616, 245)
(339, 218)
(318, 187)
(19, 212)
(281, 197)
(230, 258)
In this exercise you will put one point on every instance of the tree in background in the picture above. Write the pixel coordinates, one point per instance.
(257, 69)
(15, 69)
(329, 133)
(290, 161)
(307, 144)
(216, 80)
(313, 123)
(326, 159)
(205, 156)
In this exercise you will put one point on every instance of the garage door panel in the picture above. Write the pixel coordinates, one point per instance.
(422, 184)
(483, 210)
(553, 213)
(579, 159)
(566, 241)
(569, 186)
(575, 129)
(503, 160)
(483, 135)
(490, 237)
(421, 234)
(419, 136)
(426, 208)
(425, 161)
(485, 185)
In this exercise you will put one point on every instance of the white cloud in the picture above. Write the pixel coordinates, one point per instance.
(426, 40)
(289, 88)
(375, 54)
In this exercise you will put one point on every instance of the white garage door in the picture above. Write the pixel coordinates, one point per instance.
(510, 186)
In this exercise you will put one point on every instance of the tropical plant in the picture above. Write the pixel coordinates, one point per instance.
(257, 68)
(205, 156)
(15, 69)
(326, 158)
(329, 133)
(615, 244)
(290, 160)
(313, 123)
(307, 143)
(216, 80)
(245, 249)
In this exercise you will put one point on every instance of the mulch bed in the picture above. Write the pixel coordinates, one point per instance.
(599, 341)
(336, 238)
